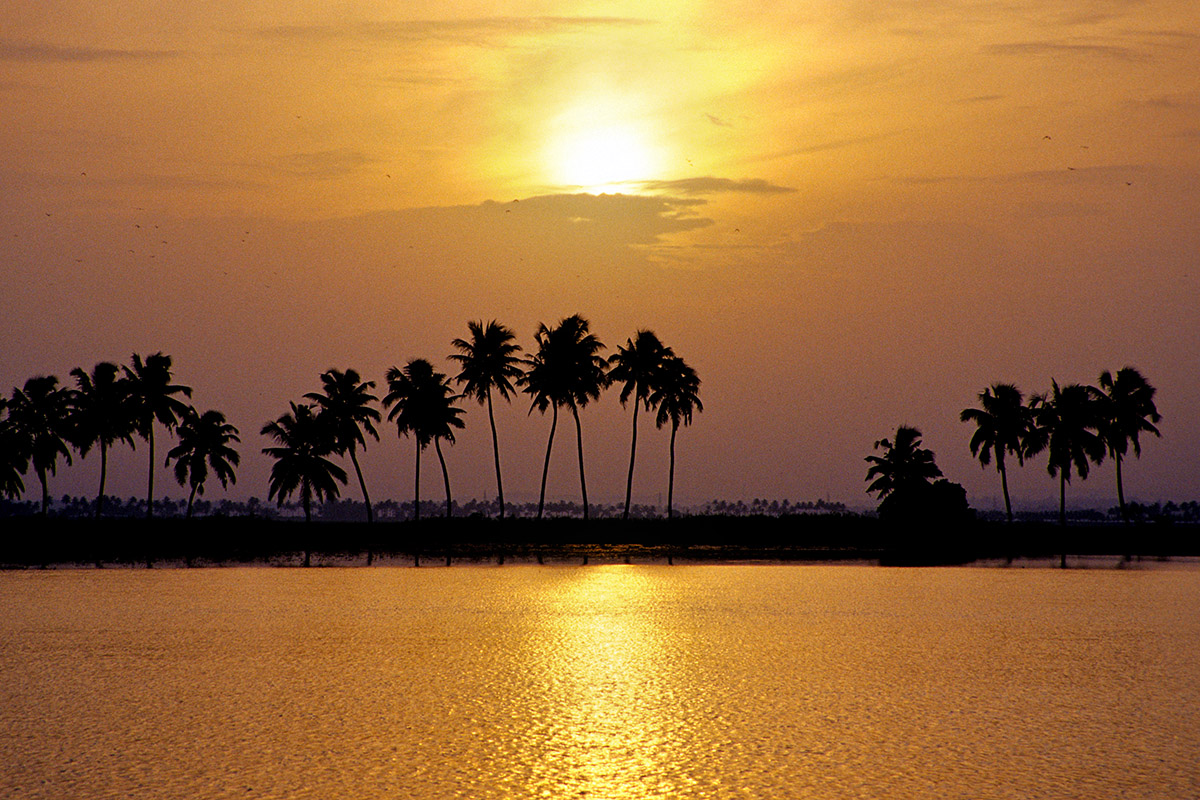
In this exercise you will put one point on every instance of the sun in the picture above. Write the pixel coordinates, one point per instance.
(596, 150)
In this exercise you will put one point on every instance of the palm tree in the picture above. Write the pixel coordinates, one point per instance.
(41, 412)
(1068, 427)
(14, 454)
(346, 403)
(639, 366)
(423, 404)
(1126, 410)
(204, 443)
(101, 414)
(305, 438)
(1003, 424)
(489, 361)
(677, 396)
(903, 465)
(152, 396)
(566, 370)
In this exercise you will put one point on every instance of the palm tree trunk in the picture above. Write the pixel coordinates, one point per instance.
(1062, 498)
(1120, 489)
(417, 487)
(1004, 484)
(362, 485)
(579, 444)
(1062, 514)
(546, 466)
(671, 474)
(437, 446)
(103, 475)
(150, 479)
(632, 451)
(306, 501)
(41, 473)
(496, 453)
(191, 497)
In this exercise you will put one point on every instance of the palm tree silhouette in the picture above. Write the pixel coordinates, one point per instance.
(204, 443)
(1126, 410)
(677, 396)
(1003, 424)
(346, 403)
(489, 361)
(903, 465)
(422, 404)
(566, 370)
(101, 414)
(1068, 427)
(639, 366)
(152, 397)
(305, 438)
(41, 412)
(14, 454)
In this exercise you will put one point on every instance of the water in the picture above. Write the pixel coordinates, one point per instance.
(600, 682)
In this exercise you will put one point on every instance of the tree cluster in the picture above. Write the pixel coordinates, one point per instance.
(566, 370)
(41, 422)
(1077, 426)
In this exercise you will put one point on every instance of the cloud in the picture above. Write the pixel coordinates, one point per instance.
(475, 30)
(52, 53)
(715, 120)
(1065, 49)
(692, 187)
(982, 98)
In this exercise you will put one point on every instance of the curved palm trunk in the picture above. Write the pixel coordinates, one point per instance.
(1004, 485)
(496, 453)
(103, 475)
(362, 485)
(191, 499)
(632, 452)
(546, 466)
(41, 473)
(445, 475)
(671, 474)
(579, 446)
(417, 487)
(150, 479)
(1062, 513)
(306, 501)
(1120, 489)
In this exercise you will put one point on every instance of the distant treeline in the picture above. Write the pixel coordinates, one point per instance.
(346, 510)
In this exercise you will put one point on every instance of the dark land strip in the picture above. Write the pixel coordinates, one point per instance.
(32, 542)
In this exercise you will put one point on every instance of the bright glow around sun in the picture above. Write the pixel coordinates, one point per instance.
(595, 148)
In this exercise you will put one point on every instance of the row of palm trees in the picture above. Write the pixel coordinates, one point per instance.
(43, 420)
(1076, 425)
(565, 371)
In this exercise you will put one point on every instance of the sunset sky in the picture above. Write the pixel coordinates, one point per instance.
(846, 216)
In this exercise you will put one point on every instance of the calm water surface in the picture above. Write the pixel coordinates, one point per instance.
(600, 682)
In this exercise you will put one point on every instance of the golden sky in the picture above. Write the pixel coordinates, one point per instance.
(846, 215)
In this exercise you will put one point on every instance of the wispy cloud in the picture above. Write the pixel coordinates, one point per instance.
(982, 98)
(474, 30)
(695, 187)
(715, 120)
(1066, 49)
(51, 53)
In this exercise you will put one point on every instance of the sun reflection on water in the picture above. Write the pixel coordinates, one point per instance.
(609, 717)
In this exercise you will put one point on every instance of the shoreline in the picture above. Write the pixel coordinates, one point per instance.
(33, 542)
